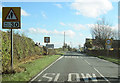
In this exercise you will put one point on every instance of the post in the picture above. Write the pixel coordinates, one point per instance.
(47, 48)
(64, 43)
(11, 50)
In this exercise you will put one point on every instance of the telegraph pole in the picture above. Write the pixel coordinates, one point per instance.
(64, 43)
(64, 38)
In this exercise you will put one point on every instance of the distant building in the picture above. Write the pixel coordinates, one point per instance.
(96, 44)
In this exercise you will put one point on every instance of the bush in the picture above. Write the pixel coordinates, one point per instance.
(22, 47)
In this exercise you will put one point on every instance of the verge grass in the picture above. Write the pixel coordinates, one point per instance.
(117, 61)
(32, 68)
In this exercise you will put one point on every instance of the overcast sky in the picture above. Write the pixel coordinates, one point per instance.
(40, 19)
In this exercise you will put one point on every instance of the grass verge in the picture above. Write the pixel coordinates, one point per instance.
(32, 69)
(117, 61)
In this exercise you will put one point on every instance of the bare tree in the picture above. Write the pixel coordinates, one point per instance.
(101, 31)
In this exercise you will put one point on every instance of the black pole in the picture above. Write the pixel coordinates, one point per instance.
(11, 50)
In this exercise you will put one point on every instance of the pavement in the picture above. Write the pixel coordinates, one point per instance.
(78, 68)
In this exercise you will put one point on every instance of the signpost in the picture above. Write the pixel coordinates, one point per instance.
(11, 19)
(108, 45)
(47, 40)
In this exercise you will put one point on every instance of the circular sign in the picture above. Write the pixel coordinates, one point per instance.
(108, 42)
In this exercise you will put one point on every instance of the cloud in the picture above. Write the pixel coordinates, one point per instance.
(24, 13)
(69, 33)
(58, 44)
(58, 5)
(1, 20)
(1, 7)
(63, 24)
(73, 25)
(77, 26)
(91, 8)
(81, 34)
(99, 19)
(44, 15)
(115, 27)
(114, 0)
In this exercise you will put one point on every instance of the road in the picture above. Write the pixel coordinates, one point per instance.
(75, 67)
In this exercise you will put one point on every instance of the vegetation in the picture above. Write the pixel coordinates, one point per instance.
(102, 31)
(31, 71)
(22, 46)
(117, 61)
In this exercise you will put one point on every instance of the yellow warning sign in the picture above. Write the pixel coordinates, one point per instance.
(11, 18)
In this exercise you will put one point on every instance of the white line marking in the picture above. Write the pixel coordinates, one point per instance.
(56, 77)
(87, 62)
(98, 71)
(93, 77)
(70, 76)
(46, 68)
(39, 80)
(49, 78)
(102, 75)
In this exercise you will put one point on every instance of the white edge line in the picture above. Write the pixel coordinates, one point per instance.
(45, 69)
(102, 75)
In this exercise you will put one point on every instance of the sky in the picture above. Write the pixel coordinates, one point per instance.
(52, 18)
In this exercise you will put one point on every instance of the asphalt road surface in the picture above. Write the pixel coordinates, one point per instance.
(78, 68)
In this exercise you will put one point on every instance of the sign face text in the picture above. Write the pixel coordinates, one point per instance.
(46, 39)
(11, 18)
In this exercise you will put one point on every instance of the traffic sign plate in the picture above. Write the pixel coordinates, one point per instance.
(108, 41)
(46, 39)
(50, 45)
(11, 17)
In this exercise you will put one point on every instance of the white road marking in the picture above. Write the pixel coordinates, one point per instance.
(70, 76)
(48, 77)
(93, 77)
(87, 62)
(71, 57)
(46, 69)
(97, 71)
(39, 80)
(57, 76)
(102, 75)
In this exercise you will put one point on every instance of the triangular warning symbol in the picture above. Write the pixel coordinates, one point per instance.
(11, 15)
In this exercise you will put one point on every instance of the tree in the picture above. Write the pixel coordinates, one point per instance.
(88, 45)
(102, 31)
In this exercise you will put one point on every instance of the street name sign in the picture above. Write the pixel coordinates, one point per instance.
(11, 18)
(46, 39)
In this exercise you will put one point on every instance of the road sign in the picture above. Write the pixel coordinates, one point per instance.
(108, 41)
(50, 45)
(11, 18)
(46, 39)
